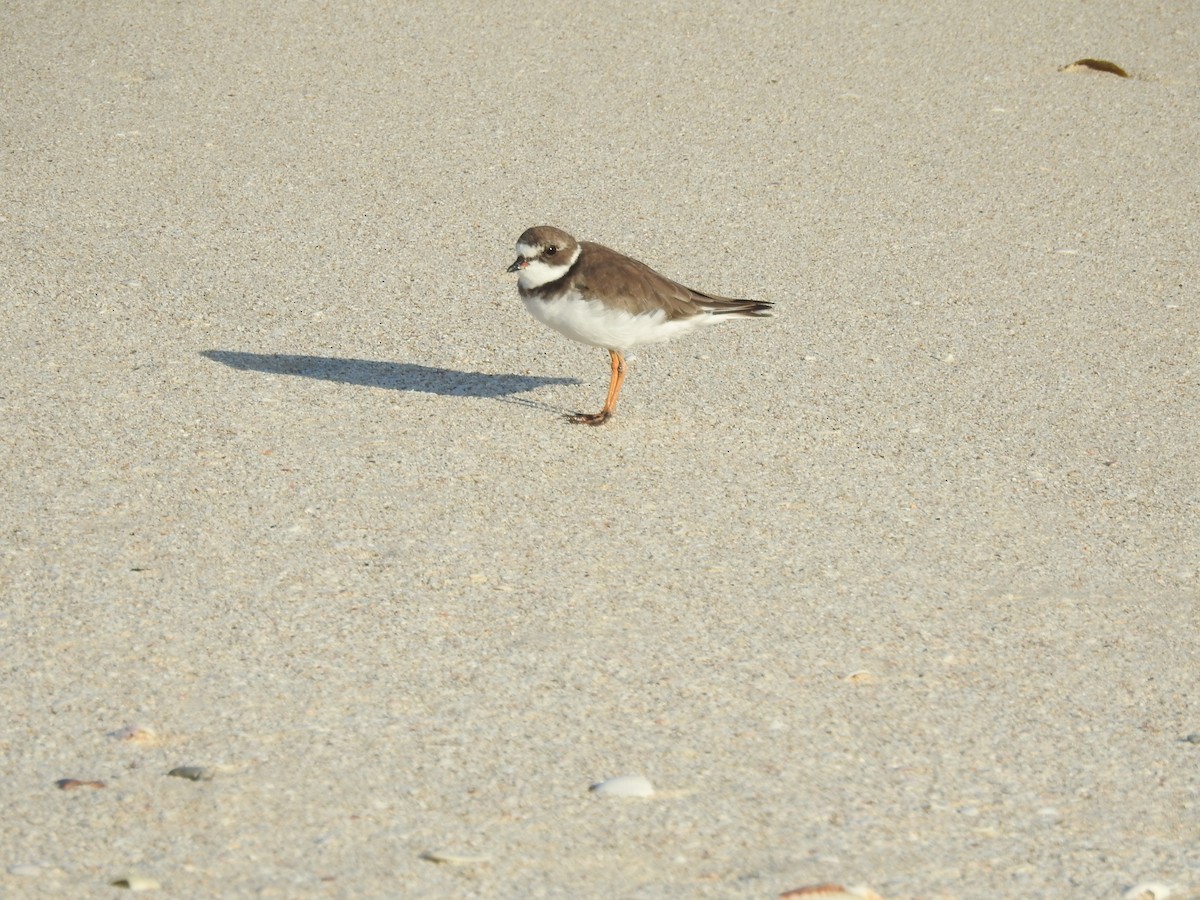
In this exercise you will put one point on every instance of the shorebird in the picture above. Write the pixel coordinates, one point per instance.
(600, 297)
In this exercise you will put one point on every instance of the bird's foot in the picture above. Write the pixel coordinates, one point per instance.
(590, 418)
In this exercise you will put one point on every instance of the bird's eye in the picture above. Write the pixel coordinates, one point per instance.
(550, 251)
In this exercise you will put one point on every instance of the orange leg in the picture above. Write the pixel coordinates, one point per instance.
(616, 379)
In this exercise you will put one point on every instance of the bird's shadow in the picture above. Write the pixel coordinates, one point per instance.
(389, 375)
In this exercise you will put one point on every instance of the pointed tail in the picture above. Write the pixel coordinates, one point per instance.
(751, 309)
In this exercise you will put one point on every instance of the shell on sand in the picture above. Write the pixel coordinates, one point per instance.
(624, 786)
(830, 892)
(142, 735)
(136, 883)
(446, 858)
(1148, 890)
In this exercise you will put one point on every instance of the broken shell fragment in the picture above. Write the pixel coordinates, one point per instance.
(446, 858)
(136, 883)
(1096, 65)
(192, 773)
(830, 892)
(71, 784)
(860, 676)
(624, 786)
(1148, 890)
(142, 735)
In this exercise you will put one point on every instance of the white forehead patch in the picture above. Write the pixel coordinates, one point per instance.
(526, 251)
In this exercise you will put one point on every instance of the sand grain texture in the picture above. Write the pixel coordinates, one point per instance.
(286, 483)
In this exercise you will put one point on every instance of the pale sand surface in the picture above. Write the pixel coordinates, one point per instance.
(285, 478)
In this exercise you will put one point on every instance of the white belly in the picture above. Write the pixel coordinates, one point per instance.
(590, 322)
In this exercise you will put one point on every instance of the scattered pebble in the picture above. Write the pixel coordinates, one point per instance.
(25, 870)
(860, 676)
(624, 786)
(1193, 738)
(71, 784)
(136, 883)
(1148, 890)
(445, 858)
(831, 892)
(192, 773)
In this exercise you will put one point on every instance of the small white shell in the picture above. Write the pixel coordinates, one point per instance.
(624, 786)
(1148, 890)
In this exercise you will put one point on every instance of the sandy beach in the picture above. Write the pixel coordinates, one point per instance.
(898, 588)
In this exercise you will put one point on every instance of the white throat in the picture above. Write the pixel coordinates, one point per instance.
(540, 272)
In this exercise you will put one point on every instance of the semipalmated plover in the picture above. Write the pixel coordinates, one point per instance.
(598, 296)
